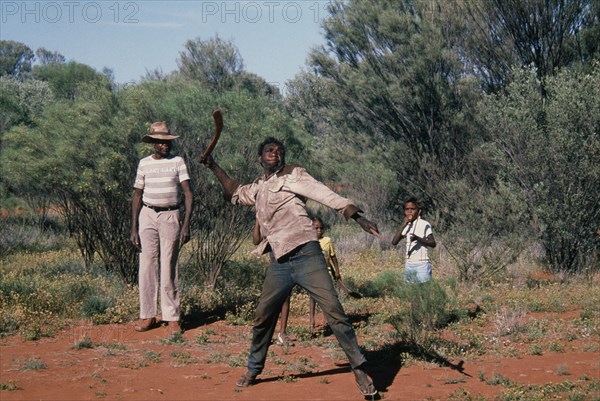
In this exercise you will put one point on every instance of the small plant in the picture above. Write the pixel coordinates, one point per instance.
(244, 315)
(9, 387)
(455, 381)
(32, 334)
(182, 358)
(481, 376)
(463, 395)
(95, 307)
(236, 361)
(424, 309)
(562, 370)
(34, 364)
(576, 396)
(152, 356)
(288, 379)
(202, 338)
(536, 350)
(217, 357)
(279, 361)
(175, 338)
(536, 329)
(508, 321)
(85, 343)
(324, 380)
(133, 365)
(498, 379)
(556, 347)
(114, 346)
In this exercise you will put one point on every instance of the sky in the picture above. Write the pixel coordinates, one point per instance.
(274, 37)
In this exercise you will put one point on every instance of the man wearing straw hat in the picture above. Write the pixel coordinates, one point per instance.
(156, 231)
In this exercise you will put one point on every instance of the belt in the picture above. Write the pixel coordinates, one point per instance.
(162, 209)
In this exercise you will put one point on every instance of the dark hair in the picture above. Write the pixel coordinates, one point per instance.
(413, 199)
(320, 220)
(268, 141)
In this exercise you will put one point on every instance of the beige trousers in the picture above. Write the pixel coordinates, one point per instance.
(159, 238)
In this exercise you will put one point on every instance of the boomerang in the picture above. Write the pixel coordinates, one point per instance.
(218, 118)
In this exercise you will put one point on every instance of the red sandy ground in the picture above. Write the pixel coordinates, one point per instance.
(120, 366)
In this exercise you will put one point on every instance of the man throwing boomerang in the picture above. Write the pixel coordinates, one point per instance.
(279, 196)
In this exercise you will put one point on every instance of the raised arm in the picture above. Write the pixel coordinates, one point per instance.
(229, 184)
(398, 236)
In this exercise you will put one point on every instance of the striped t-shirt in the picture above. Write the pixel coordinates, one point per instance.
(160, 179)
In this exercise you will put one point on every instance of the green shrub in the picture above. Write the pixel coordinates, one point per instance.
(386, 283)
(424, 308)
(96, 305)
(86, 343)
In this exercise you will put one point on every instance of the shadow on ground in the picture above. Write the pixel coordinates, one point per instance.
(386, 362)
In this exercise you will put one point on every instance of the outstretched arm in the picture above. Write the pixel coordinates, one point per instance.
(366, 224)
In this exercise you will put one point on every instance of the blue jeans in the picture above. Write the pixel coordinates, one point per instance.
(305, 266)
(417, 272)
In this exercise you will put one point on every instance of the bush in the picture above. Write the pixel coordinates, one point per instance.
(547, 151)
(40, 291)
(18, 234)
(424, 308)
(240, 284)
(386, 283)
(96, 305)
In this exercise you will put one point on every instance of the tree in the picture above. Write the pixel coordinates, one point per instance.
(46, 56)
(67, 79)
(213, 62)
(255, 85)
(398, 91)
(23, 103)
(79, 155)
(545, 34)
(15, 59)
(218, 228)
(548, 149)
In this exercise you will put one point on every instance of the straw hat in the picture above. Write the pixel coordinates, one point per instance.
(159, 131)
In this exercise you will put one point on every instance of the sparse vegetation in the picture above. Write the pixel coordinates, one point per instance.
(433, 323)
(454, 102)
(83, 344)
(8, 387)
(34, 363)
